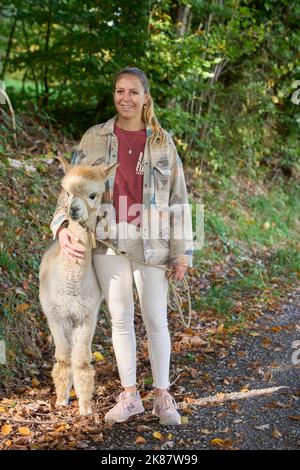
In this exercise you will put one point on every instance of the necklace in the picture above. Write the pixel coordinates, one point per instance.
(129, 146)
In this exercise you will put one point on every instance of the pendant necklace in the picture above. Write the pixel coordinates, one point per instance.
(130, 146)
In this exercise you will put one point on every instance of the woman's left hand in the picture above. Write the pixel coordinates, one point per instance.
(177, 272)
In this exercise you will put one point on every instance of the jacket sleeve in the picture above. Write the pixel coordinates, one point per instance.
(181, 232)
(61, 211)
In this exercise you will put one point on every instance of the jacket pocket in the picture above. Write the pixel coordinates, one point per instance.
(162, 177)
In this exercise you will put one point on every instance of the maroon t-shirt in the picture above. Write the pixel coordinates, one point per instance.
(130, 174)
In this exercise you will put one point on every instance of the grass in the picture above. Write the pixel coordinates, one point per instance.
(257, 231)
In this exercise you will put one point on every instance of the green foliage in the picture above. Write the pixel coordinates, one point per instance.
(222, 79)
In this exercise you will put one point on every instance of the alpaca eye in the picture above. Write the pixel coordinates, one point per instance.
(92, 196)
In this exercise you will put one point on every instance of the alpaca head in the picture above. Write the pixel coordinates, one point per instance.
(85, 186)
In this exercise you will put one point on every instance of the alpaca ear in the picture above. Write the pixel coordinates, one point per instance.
(110, 170)
(64, 163)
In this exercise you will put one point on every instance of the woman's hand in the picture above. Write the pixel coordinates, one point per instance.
(70, 248)
(177, 272)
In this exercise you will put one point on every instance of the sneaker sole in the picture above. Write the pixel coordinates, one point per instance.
(112, 421)
(168, 422)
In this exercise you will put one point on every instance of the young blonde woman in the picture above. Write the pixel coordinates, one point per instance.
(144, 212)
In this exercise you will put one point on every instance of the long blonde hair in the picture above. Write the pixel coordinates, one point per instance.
(148, 114)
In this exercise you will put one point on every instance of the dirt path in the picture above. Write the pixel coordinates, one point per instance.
(261, 361)
(247, 400)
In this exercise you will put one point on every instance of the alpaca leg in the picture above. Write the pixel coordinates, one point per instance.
(62, 370)
(83, 372)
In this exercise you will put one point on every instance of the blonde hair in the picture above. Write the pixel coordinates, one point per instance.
(148, 114)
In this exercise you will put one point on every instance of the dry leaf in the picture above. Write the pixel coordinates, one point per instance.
(24, 431)
(187, 411)
(6, 429)
(21, 308)
(8, 443)
(157, 435)
(205, 431)
(276, 434)
(220, 442)
(140, 440)
(263, 427)
(35, 382)
(184, 419)
(98, 356)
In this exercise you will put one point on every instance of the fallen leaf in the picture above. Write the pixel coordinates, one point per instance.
(21, 308)
(263, 427)
(24, 431)
(140, 440)
(188, 411)
(221, 442)
(276, 434)
(205, 431)
(184, 419)
(6, 429)
(157, 435)
(8, 443)
(35, 382)
(98, 356)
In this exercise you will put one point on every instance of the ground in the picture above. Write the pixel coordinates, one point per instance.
(264, 357)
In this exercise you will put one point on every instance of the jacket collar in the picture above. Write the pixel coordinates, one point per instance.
(108, 128)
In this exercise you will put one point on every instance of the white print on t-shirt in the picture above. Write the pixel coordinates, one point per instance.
(139, 170)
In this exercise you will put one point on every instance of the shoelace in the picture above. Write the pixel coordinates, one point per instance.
(169, 402)
(121, 399)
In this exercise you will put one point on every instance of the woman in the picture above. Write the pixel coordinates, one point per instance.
(149, 198)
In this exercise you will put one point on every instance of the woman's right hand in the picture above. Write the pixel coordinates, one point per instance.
(68, 243)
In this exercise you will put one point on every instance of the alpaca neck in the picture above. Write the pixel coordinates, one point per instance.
(75, 269)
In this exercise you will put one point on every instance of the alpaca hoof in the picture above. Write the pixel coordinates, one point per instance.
(61, 403)
(85, 410)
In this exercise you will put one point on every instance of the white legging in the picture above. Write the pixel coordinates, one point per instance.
(115, 274)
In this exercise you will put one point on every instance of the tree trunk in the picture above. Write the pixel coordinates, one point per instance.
(9, 44)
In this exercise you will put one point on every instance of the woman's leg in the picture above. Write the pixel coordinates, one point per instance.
(152, 287)
(115, 277)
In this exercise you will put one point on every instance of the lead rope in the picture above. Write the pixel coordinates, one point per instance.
(172, 284)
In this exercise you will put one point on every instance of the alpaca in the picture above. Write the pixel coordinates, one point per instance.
(70, 294)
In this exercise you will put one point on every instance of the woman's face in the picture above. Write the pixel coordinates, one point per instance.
(129, 97)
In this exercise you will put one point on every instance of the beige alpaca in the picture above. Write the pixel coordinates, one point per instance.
(69, 290)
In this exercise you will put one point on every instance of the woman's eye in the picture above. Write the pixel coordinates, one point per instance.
(92, 196)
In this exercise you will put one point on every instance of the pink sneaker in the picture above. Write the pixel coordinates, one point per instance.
(127, 405)
(165, 408)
